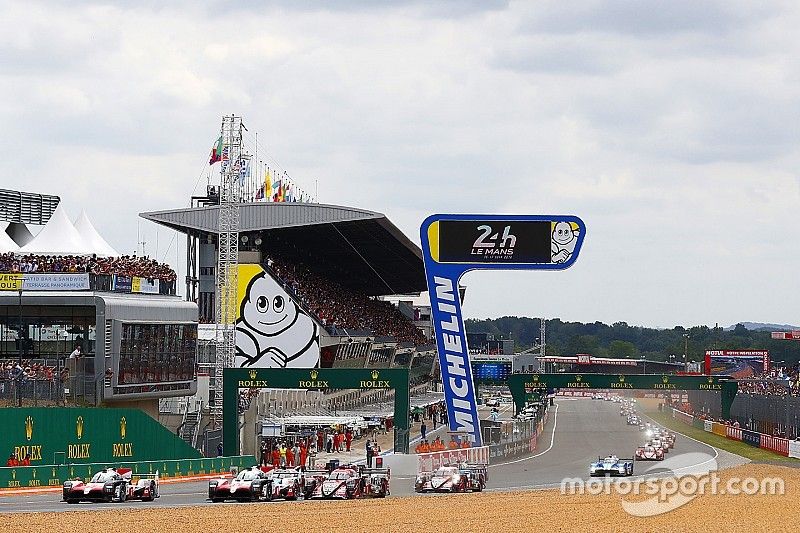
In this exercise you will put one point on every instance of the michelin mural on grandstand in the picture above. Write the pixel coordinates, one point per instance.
(272, 331)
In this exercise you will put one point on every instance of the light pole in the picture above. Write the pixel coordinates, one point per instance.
(685, 351)
(21, 340)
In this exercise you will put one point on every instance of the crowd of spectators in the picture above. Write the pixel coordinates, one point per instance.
(778, 382)
(126, 265)
(10, 371)
(342, 310)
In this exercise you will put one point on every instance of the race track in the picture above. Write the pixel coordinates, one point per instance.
(584, 429)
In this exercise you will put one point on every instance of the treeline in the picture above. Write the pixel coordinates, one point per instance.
(622, 340)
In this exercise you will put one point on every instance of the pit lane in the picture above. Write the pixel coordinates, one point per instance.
(584, 429)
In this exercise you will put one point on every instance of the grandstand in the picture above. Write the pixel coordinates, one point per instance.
(338, 264)
(81, 324)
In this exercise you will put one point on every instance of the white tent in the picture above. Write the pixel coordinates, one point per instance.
(58, 237)
(7, 244)
(93, 239)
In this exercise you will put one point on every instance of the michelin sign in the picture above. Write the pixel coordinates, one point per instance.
(455, 244)
(272, 330)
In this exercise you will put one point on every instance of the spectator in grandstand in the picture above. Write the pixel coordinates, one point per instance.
(76, 352)
(131, 266)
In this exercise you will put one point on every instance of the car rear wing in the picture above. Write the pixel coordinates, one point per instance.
(315, 473)
(375, 472)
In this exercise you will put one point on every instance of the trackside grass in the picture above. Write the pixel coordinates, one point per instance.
(739, 448)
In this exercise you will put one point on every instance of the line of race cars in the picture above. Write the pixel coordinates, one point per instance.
(658, 442)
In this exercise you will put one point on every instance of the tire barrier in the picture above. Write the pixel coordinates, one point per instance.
(779, 445)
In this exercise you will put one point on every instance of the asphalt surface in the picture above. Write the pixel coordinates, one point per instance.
(584, 429)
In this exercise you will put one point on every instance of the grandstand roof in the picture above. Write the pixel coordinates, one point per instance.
(361, 250)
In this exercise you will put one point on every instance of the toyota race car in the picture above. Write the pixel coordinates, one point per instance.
(649, 453)
(453, 478)
(286, 484)
(250, 485)
(112, 485)
(351, 481)
(611, 466)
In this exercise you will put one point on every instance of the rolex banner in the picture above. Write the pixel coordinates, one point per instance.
(87, 435)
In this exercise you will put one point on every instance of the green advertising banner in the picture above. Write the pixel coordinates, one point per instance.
(315, 378)
(522, 385)
(52, 435)
(55, 475)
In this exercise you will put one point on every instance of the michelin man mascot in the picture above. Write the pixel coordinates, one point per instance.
(272, 331)
(563, 242)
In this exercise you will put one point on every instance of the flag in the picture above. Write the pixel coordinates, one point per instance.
(268, 183)
(244, 169)
(216, 152)
(260, 193)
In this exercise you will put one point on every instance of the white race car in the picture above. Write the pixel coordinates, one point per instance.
(611, 465)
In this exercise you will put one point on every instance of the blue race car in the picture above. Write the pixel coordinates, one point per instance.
(611, 466)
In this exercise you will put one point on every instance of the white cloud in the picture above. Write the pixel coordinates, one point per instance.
(670, 128)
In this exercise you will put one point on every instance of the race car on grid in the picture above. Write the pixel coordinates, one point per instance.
(611, 465)
(658, 443)
(649, 453)
(249, 485)
(353, 482)
(463, 477)
(286, 484)
(112, 485)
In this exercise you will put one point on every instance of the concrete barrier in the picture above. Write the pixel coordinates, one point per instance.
(427, 462)
(402, 465)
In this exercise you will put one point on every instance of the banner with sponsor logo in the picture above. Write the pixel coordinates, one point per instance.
(455, 244)
(44, 282)
(144, 286)
(122, 284)
(794, 449)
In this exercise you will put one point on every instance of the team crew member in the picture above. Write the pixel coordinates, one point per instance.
(12, 460)
(289, 457)
(276, 456)
(452, 444)
(26, 461)
(369, 453)
(348, 438)
(303, 454)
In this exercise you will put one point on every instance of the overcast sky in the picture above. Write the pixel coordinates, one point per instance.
(671, 128)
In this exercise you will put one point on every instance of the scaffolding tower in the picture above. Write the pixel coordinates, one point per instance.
(230, 195)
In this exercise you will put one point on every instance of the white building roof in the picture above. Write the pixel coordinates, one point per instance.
(93, 239)
(58, 237)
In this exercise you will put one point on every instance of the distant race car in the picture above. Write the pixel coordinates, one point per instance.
(352, 482)
(658, 443)
(633, 420)
(461, 477)
(492, 402)
(611, 465)
(649, 453)
(250, 485)
(286, 484)
(112, 485)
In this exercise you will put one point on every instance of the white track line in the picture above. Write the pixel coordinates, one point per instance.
(552, 440)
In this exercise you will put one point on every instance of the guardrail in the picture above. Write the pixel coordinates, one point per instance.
(16, 477)
(779, 445)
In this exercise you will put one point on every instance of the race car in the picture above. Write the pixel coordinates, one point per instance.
(312, 479)
(351, 482)
(112, 485)
(633, 420)
(611, 465)
(462, 477)
(286, 483)
(249, 485)
(649, 453)
(492, 402)
(658, 443)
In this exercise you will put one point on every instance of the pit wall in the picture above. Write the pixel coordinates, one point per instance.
(56, 435)
(54, 475)
(785, 447)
